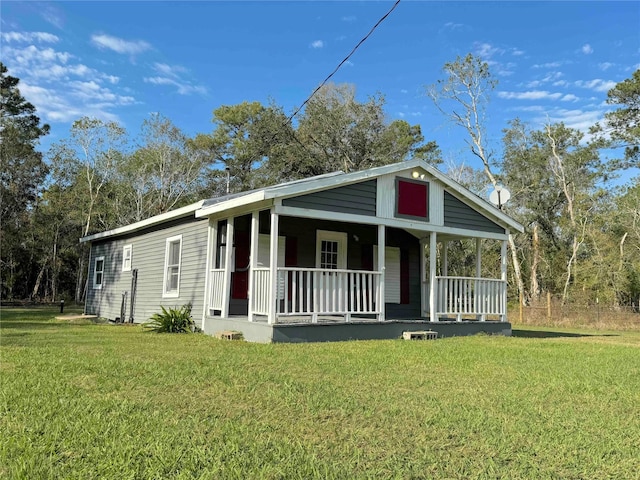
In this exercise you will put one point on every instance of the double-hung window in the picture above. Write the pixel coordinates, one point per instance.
(98, 273)
(127, 250)
(172, 267)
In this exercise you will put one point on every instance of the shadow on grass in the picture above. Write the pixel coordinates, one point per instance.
(549, 334)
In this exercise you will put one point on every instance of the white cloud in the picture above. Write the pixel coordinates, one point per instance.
(569, 98)
(597, 84)
(350, 18)
(531, 95)
(517, 52)
(61, 88)
(453, 26)
(173, 71)
(51, 15)
(182, 87)
(486, 50)
(119, 45)
(55, 105)
(404, 90)
(605, 66)
(547, 65)
(587, 49)
(172, 75)
(551, 77)
(317, 44)
(578, 119)
(28, 37)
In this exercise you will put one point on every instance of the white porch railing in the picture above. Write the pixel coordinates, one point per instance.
(314, 292)
(216, 290)
(471, 296)
(260, 298)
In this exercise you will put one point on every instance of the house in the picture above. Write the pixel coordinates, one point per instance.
(339, 256)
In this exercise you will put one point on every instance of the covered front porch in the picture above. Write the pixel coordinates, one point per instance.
(343, 273)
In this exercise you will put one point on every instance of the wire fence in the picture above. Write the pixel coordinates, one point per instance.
(551, 312)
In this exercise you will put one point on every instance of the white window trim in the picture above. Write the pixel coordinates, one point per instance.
(98, 286)
(341, 238)
(168, 242)
(125, 249)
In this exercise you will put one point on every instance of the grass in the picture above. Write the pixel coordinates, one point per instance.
(83, 400)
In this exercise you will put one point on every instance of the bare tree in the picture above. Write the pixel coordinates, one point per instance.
(463, 97)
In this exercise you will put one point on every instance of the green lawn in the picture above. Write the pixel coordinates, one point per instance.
(82, 401)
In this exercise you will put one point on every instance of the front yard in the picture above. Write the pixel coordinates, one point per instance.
(84, 400)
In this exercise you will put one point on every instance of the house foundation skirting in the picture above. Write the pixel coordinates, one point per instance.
(390, 329)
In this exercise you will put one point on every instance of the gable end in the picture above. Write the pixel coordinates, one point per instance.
(459, 215)
(357, 199)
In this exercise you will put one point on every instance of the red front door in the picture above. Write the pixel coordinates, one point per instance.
(240, 276)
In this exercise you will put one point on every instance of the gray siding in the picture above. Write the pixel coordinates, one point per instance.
(359, 199)
(148, 252)
(459, 215)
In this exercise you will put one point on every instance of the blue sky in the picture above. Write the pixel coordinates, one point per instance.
(555, 61)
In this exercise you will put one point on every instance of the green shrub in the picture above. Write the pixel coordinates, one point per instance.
(172, 320)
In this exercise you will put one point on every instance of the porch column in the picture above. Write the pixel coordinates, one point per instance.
(228, 267)
(273, 274)
(381, 268)
(478, 295)
(445, 259)
(212, 241)
(253, 260)
(424, 292)
(432, 277)
(478, 257)
(503, 277)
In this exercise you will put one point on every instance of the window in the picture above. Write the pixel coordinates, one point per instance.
(98, 273)
(412, 199)
(331, 250)
(172, 267)
(126, 258)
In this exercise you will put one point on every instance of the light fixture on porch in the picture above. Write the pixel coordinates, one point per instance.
(416, 174)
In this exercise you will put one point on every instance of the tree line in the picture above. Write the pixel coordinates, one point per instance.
(582, 238)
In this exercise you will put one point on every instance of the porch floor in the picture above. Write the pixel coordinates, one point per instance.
(331, 329)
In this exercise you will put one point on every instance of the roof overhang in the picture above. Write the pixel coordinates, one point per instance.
(149, 222)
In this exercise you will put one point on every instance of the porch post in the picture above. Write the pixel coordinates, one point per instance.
(423, 277)
(445, 259)
(228, 267)
(503, 277)
(433, 317)
(212, 240)
(381, 268)
(478, 295)
(478, 257)
(253, 260)
(273, 262)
